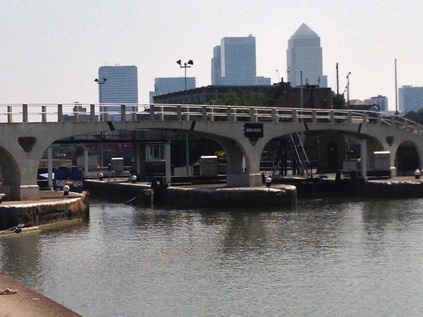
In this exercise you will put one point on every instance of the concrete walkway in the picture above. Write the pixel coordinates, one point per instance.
(28, 303)
(45, 196)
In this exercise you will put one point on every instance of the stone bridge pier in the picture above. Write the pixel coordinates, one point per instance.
(243, 162)
(20, 164)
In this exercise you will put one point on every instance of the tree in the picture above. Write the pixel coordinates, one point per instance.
(338, 101)
(242, 98)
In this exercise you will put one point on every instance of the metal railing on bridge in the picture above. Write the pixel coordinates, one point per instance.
(42, 113)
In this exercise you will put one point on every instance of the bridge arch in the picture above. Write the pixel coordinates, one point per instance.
(327, 148)
(407, 158)
(10, 174)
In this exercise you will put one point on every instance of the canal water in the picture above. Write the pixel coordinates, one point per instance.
(326, 257)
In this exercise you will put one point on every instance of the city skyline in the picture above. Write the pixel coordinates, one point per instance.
(52, 50)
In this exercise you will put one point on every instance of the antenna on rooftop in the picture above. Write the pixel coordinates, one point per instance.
(396, 89)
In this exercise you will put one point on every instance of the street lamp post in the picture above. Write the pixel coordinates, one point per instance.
(185, 66)
(100, 83)
(348, 89)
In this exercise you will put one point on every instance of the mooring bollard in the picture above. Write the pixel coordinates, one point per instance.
(66, 190)
(268, 181)
(417, 174)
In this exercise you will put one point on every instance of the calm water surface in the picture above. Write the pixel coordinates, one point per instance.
(325, 258)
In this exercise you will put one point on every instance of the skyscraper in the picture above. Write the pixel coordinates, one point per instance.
(166, 85)
(216, 74)
(304, 56)
(117, 85)
(234, 61)
(410, 98)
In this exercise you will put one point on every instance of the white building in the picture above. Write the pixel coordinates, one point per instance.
(304, 58)
(379, 100)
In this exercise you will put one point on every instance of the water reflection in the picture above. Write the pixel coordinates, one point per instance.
(20, 256)
(326, 257)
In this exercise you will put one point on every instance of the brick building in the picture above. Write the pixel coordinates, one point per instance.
(277, 95)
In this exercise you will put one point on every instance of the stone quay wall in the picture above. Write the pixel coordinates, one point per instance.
(401, 189)
(44, 211)
(231, 197)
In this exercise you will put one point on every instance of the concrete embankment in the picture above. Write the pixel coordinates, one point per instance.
(283, 195)
(50, 208)
(206, 195)
(283, 192)
(392, 189)
(121, 190)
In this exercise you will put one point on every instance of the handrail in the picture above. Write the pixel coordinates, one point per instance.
(42, 113)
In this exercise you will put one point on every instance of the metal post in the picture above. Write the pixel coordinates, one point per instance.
(168, 163)
(396, 89)
(100, 82)
(187, 154)
(86, 163)
(348, 89)
(185, 66)
(363, 158)
(301, 90)
(50, 167)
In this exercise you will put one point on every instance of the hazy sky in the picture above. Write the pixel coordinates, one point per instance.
(51, 49)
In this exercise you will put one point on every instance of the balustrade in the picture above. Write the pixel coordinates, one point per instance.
(15, 113)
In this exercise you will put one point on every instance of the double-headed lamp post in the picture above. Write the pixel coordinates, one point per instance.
(185, 66)
(100, 82)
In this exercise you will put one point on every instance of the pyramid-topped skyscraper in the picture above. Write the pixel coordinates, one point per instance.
(304, 58)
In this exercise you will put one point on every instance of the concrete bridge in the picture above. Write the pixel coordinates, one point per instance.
(27, 131)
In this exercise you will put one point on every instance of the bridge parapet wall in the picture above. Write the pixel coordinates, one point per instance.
(42, 113)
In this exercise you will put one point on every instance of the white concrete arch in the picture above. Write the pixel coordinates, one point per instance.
(10, 174)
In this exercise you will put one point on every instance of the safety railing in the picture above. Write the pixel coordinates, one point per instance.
(43, 113)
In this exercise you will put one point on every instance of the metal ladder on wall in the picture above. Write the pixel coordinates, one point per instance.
(276, 164)
(299, 154)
